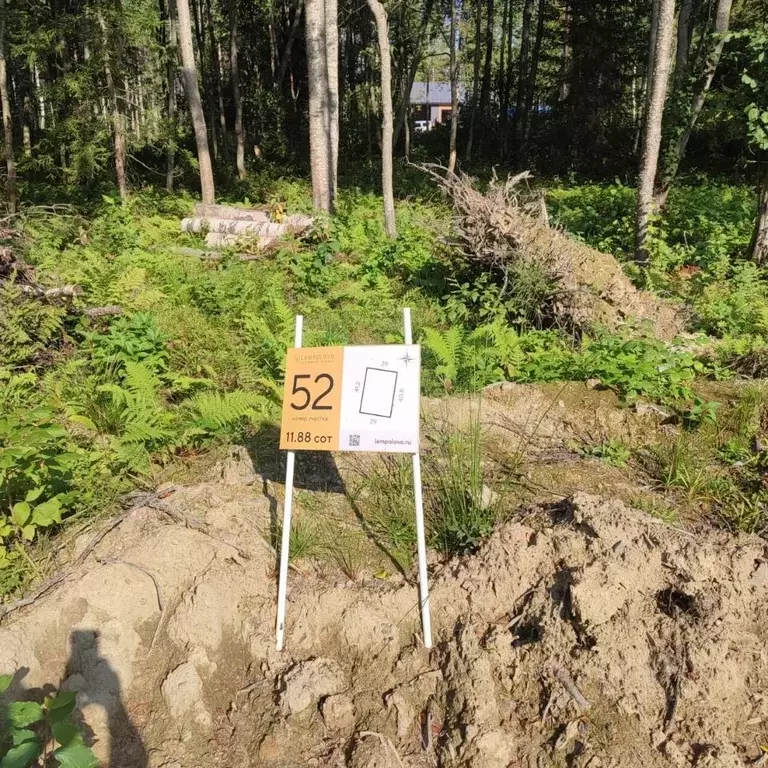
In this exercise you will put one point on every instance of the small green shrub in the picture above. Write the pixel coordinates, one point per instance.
(29, 731)
(613, 452)
(36, 466)
(134, 339)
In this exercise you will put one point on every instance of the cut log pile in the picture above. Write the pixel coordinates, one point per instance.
(225, 226)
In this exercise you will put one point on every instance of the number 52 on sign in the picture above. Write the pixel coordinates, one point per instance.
(352, 399)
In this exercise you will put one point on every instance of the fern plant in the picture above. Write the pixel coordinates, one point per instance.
(468, 360)
(132, 413)
(213, 413)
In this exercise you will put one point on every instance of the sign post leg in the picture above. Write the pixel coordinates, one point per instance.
(421, 545)
(286, 537)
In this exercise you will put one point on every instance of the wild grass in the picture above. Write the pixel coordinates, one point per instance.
(461, 508)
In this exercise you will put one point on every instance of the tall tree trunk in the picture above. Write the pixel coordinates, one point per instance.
(759, 247)
(454, 87)
(405, 91)
(485, 87)
(172, 63)
(684, 20)
(216, 67)
(236, 98)
(332, 67)
(654, 31)
(382, 28)
(319, 118)
(475, 78)
(195, 104)
(503, 49)
(116, 108)
(289, 45)
(678, 146)
(659, 77)
(522, 75)
(531, 90)
(507, 90)
(565, 55)
(5, 101)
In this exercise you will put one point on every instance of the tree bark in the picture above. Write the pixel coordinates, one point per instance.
(531, 89)
(172, 56)
(485, 87)
(683, 42)
(116, 108)
(475, 78)
(319, 118)
(507, 89)
(759, 246)
(332, 67)
(659, 77)
(503, 49)
(678, 146)
(236, 97)
(387, 185)
(454, 88)
(289, 45)
(522, 75)
(564, 88)
(195, 104)
(216, 66)
(5, 102)
(654, 31)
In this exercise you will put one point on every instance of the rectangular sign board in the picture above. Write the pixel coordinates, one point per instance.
(352, 399)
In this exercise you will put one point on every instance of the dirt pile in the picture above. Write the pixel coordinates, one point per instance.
(585, 634)
(589, 288)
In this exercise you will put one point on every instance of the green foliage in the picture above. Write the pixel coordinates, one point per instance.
(466, 360)
(29, 729)
(133, 339)
(613, 452)
(36, 465)
(706, 225)
(27, 326)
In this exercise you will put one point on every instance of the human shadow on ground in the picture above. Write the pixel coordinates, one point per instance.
(96, 682)
(315, 471)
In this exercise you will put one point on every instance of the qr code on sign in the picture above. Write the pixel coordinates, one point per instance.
(354, 441)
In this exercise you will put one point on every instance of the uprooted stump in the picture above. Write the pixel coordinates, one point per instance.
(497, 232)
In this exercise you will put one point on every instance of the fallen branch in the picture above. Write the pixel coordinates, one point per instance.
(94, 312)
(566, 681)
(65, 291)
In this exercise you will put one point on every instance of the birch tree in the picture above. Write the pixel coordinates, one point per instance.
(454, 58)
(382, 30)
(658, 77)
(5, 103)
(319, 110)
(236, 97)
(195, 104)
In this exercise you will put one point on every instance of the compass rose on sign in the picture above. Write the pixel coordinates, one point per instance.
(406, 358)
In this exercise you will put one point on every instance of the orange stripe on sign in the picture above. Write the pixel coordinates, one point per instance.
(312, 399)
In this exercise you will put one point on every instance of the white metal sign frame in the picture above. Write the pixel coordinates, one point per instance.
(421, 546)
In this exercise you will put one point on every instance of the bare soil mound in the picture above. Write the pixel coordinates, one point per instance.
(583, 634)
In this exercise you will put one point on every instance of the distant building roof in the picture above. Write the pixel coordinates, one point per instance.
(434, 93)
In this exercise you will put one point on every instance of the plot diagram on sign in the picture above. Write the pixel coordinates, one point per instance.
(380, 399)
